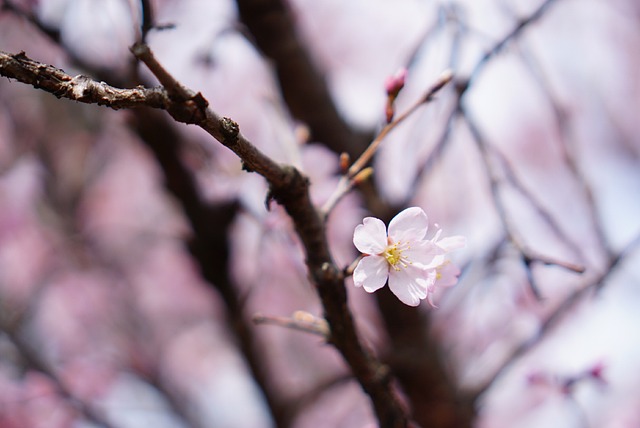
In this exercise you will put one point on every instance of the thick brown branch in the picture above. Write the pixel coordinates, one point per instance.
(287, 185)
(372, 375)
(79, 88)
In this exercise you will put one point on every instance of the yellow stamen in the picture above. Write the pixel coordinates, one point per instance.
(394, 257)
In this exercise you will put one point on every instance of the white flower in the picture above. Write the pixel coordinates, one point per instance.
(446, 272)
(403, 256)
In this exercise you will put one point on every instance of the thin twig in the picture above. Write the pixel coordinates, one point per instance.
(517, 184)
(528, 255)
(563, 124)
(345, 185)
(51, 33)
(301, 321)
(509, 37)
(367, 155)
(561, 310)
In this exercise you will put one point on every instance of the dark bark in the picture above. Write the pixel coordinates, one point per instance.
(272, 28)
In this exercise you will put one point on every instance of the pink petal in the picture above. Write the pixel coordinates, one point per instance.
(424, 254)
(452, 243)
(409, 225)
(411, 284)
(370, 237)
(448, 275)
(371, 273)
(430, 300)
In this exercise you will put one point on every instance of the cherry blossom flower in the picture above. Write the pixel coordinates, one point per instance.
(402, 256)
(446, 273)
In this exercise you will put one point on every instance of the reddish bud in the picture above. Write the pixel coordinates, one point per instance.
(344, 162)
(393, 84)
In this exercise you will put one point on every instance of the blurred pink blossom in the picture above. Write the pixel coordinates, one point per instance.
(446, 272)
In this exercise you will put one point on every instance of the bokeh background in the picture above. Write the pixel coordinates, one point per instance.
(134, 252)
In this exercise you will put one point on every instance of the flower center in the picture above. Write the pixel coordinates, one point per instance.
(393, 254)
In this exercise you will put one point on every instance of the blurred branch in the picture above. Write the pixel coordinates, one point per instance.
(208, 243)
(54, 35)
(304, 89)
(50, 32)
(62, 204)
(313, 395)
(301, 321)
(554, 318)
(33, 360)
(510, 36)
(287, 186)
(452, 13)
(512, 178)
(563, 124)
(147, 19)
(416, 359)
(529, 256)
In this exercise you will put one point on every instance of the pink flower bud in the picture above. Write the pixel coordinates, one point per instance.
(393, 84)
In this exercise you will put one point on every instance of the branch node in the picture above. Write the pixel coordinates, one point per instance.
(329, 273)
(230, 130)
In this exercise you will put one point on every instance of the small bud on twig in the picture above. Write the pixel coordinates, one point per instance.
(393, 85)
(345, 159)
(362, 176)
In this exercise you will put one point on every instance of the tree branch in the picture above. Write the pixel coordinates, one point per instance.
(515, 32)
(79, 88)
(304, 89)
(563, 308)
(287, 186)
